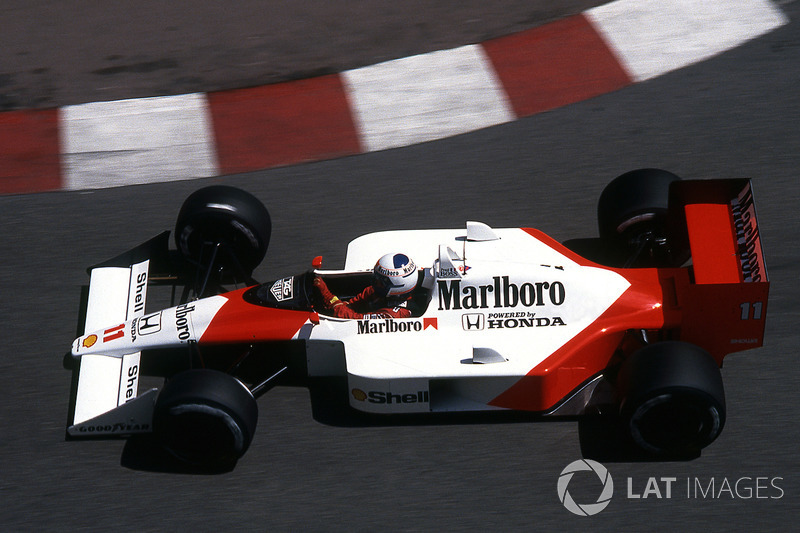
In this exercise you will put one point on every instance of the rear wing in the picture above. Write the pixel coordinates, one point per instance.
(720, 220)
(724, 304)
(104, 399)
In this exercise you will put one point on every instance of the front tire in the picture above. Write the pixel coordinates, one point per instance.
(205, 418)
(225, 217)
(673, 399)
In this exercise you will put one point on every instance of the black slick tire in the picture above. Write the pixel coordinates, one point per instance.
(673, 399)
(226, 216)
(205, 417)
(634, 207)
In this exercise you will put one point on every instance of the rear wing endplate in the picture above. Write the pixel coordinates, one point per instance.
(724, 304)
(719, 220)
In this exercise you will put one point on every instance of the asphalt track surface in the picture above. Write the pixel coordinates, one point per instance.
(63, 53)
(733, 116)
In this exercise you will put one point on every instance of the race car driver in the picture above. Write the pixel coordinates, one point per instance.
(393, 282)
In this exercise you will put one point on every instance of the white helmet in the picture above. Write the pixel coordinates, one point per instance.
(396, 274)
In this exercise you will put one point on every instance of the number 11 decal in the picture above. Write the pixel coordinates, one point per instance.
(756, 313)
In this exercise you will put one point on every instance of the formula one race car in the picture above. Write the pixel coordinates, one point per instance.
(635, 323)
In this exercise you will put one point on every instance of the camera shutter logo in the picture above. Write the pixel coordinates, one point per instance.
(587, 509)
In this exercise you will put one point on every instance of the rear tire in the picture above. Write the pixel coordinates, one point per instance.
(673, 399)
(205, 418)
(226, 216)
(632, 210)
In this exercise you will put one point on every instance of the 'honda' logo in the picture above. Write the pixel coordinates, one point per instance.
(149, 324)
(473, 321)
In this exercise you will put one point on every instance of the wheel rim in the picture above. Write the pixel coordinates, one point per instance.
(674, 423)
(237, 237)
(202, 434)
(230, 217)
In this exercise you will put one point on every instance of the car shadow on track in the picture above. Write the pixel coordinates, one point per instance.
(603, 439)
(601, 436)
(144, 453)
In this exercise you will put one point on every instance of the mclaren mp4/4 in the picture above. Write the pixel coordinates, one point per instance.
(635, 322)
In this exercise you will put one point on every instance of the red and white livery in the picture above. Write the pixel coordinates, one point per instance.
(634, 324)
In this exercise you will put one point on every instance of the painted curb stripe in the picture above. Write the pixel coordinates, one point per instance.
(29, 151)
(282, 124)
(388, 105)
(144, 140)
(653, 37)
(555, 65)
(426, 97)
